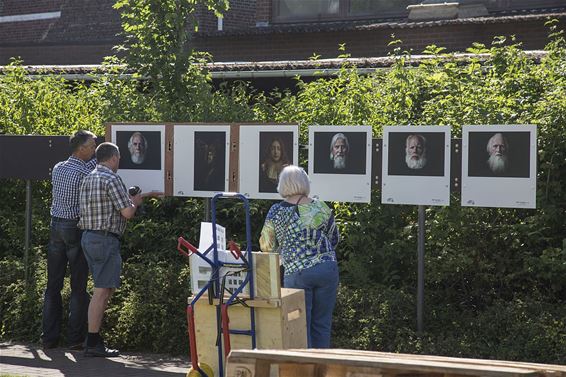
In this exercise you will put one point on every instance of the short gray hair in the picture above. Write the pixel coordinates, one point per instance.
(105, 151)
(293, 180)
(80, 138)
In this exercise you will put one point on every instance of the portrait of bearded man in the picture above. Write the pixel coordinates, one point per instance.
(137, 145)
(415, 151)
(339, 149)
(498, 150)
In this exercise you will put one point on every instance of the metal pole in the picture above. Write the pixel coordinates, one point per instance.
(207, 210)
(27, 229)
(420, 270)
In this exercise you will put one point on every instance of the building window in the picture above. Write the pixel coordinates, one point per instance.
(330, 10)
(378, 8)
(293, 10)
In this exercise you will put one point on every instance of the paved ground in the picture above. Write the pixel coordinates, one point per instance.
(30, 360)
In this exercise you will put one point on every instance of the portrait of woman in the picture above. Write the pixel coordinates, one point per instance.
(272, 161)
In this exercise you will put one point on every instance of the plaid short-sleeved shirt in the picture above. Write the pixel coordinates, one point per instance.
(66, 180)
(102, 196)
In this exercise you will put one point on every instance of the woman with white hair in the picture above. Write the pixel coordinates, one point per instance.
(302, 230)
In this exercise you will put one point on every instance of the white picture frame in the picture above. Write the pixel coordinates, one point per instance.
(352, 181)
(190, 177)
(510, 186)
(255, 141)
(149, 175)
(424, 184)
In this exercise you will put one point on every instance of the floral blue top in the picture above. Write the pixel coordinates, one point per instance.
(305, 234)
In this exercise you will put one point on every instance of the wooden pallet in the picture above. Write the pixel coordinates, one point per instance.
(280, 324)
(352, 363)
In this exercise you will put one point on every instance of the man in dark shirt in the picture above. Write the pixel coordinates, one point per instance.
(65, 245)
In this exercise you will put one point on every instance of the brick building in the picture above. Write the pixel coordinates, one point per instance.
(283, 32)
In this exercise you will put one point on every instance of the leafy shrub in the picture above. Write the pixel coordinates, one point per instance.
(495, 278)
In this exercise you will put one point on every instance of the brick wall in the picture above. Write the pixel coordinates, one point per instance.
(241, 15)
(86, 21)
(87, 30)
(80, 21)
(206, 19)
(368, 43)
(60, 54)
(13, 7)
(264, 11)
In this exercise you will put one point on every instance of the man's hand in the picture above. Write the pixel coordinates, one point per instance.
(153, 194)
(137, 199)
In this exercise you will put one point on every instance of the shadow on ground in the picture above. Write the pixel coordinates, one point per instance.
(30, 360)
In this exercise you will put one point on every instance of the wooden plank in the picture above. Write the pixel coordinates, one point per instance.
(550, 369)
(267, 277)
(295, 318)
(242, 368)
(295, 370)
(407, 365)
(272, 331)
(259, 303)
(168, 176)
(233, 170)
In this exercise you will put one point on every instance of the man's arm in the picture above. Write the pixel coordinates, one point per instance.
(130, 211)
(136, 200)
(120, 198)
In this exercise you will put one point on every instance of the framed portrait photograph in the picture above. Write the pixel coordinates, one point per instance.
(200, 159)
(499, 166)
(142, 155)
(264, 151)
(340, 163)
(416, 165)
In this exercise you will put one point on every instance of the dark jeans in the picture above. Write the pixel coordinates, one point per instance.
(65, 247)
(320, 283)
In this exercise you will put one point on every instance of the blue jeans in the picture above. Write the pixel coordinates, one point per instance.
(65, 248)
(320, 283)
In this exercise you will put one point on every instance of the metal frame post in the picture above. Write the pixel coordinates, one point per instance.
(420, 269)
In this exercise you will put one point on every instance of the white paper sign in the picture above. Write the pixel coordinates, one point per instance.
(416, 165)
(499, 166)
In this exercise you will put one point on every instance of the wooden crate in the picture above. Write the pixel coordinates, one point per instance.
(280, 324)
(352, 363)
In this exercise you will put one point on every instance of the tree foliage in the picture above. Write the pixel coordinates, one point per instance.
(495, 278)
(158, 45)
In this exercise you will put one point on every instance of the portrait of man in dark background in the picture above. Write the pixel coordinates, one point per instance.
(498, 151)
(415, 151)
(340, 152)
(275, 149)
(210, 161)
(339, 148)
(139, 149)
(499, 154)
(137, 145)
(419, 154)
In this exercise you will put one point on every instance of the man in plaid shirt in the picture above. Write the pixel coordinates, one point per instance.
(65, 245)
(105, 205)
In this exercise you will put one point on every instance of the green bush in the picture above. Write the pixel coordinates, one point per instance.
(495, 279)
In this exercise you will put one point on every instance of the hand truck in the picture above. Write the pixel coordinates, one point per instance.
(215, 289)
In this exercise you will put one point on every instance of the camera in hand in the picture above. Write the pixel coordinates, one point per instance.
(134, 190)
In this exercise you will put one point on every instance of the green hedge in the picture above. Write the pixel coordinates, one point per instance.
(495, 282)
